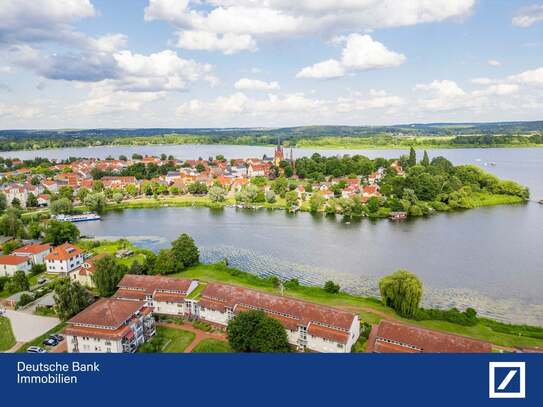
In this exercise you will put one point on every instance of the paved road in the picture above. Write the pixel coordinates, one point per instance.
(27, 326)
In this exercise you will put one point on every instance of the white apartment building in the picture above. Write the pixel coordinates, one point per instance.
(9, 265)
(64, 259)
(37, 252)
(110, 326)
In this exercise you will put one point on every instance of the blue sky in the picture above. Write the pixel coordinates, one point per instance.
(218, 63)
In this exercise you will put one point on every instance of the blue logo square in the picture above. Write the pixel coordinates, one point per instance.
(505, 381)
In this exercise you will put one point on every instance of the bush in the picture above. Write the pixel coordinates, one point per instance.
(292, 284)
(331, 287)
(466, 318)
(37, 269)
(25, 299)
(202, 326)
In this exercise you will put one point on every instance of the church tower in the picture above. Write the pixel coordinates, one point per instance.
(279, 154)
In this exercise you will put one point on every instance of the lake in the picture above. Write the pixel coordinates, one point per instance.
(488, 258)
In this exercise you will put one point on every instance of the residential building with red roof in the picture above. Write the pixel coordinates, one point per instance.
(37, 252)
(83, 274)
(110, 325)
(9, 265)
(308, 325)
(394, 337)
(64, 259)
(165, 295)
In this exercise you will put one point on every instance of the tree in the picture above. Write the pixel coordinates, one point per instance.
(107, 275)
(316, 201)
(95, 202)
(412, 161)
(11, 223)
(164, 263)
(118, 197)
(16, 203)
(70, 298)
(97, 186)
(197, 188)
(185, 252)
(402, 291)
(216, 194)
(291, 199)
(58, 232)
(3, 201)
(270, 196)
(20, 281)
(280, 186)
(82, 194)
(32, 201)
(254, 331)
(67, 192)
(62, 205)
(331, 287)
(425, 159)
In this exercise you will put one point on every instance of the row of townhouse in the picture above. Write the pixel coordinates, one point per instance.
(309, 326)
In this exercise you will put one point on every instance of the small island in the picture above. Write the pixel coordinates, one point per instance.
(353, 186)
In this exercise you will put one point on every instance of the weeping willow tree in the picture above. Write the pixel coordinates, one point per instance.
(401, 291)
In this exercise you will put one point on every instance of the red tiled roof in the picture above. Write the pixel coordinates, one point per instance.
(110, 312)
(116, 334)
(306, 312)
(328, 333)
(33, 248)
(150, 284)
(212, 304)
(88, 266)
(63, 252)
(13, 260)
(130, 294)
(166, 297)
(425, 340)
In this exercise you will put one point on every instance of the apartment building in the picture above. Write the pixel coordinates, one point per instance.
(110, 326)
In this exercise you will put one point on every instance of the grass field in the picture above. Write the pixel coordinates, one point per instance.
(212, 346)
(7, 339)
(370, 310)
(111, 247)
(174, 340)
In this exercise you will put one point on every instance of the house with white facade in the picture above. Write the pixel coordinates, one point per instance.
(309, 326)
(64, 259)
(83, 274)
(9, 265)
(110, 326)
(164, 295)
(37, 252)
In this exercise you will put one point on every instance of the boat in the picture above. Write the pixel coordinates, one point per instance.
(398, 215)
(84, 217)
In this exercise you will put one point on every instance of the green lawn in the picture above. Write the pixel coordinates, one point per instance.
(111, 247)
(212, 346)
(197, 291)
(168, 340)
(38, 341)
(370, 310)
(7, 339)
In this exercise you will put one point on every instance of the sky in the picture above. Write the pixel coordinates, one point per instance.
(268, 63)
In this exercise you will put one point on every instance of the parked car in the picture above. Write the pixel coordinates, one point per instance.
(42, 281)
(50, 342)
(57, 337)
(35, 349)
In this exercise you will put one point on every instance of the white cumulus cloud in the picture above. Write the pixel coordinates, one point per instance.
(528, 16)
(255, 84)
(361, 53)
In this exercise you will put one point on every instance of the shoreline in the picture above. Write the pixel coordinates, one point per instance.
(318, 147)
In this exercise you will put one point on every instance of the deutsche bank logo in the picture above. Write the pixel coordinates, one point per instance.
(507, 380)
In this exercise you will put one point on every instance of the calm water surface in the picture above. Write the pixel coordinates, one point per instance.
(490, 258)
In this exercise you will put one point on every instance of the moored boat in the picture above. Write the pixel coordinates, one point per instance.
(84, 217)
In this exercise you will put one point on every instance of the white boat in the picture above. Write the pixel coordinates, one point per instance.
(84, 217)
